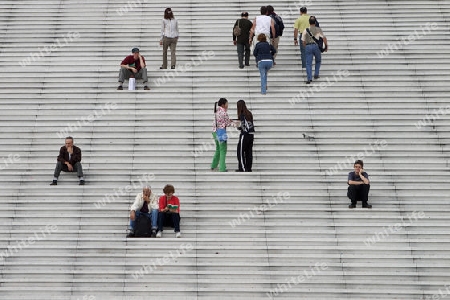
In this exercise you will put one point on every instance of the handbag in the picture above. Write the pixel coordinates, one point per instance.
(237, 30)
(319, 41)
(222, 135)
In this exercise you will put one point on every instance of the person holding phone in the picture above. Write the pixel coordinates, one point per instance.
(358, 185)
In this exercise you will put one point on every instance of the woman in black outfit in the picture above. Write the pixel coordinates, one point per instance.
(245, 145)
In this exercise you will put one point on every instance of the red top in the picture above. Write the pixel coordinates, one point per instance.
(174, 201)
(129, 60)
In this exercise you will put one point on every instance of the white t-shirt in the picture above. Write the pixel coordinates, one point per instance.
(263, 25)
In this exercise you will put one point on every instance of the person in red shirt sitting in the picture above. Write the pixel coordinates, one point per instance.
(169, 206)
(133, 66)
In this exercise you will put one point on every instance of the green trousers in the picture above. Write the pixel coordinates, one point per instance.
(219, 155)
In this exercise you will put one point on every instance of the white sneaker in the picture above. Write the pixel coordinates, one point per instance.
(158, 235)
(178, 234)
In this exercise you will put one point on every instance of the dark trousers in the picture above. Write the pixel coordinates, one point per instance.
(243, 50)
(63, 167)
(175, 219)
(358, 192)
(126, 74)
(245, 152)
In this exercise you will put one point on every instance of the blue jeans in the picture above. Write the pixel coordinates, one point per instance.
(175, 219)
(152, 215)
(312, 50)
(302, 51)
(264, 67)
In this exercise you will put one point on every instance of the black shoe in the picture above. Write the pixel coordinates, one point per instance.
(308, 81)
(316, 77)
(54, 182)
(81, 182)
(146, 88)
(119, 88)
(241, 67)
(247, 65)
(366, 205)
(154, 233)
(352, 206)
(162, 68)
(238, 170)
(172, 67)
(130, 234)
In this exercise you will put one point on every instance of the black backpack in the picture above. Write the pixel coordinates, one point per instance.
(143, 227)
(279, 25)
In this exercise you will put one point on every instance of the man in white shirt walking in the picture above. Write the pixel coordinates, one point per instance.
(263, 24)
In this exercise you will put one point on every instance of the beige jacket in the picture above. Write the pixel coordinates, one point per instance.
(139, 201)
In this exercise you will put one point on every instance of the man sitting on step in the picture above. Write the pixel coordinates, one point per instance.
(145, 203)
(68, 160)
(358, 185)
(133, 66)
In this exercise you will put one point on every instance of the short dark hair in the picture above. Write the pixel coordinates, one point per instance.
(312, 20)
(359, 162)
(303, 10)
(69, 138)
(168, 189)
(134, 50)
(263, 10)
(244, 14)
(270, 9)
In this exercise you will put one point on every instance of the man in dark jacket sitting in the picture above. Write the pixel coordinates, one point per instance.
(69, 160)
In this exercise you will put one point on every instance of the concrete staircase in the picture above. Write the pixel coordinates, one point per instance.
(283, 231)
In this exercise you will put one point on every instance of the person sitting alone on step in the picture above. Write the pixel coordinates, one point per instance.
(133, 66)
(358, 186)
(68, 160)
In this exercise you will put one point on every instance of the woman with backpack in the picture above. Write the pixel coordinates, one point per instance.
(245, 144)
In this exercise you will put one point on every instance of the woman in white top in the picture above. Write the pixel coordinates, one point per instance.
(169, 38)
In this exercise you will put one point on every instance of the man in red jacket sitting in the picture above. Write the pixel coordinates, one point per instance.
(133, 66)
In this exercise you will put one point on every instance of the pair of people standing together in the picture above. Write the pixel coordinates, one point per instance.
(245, 144)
